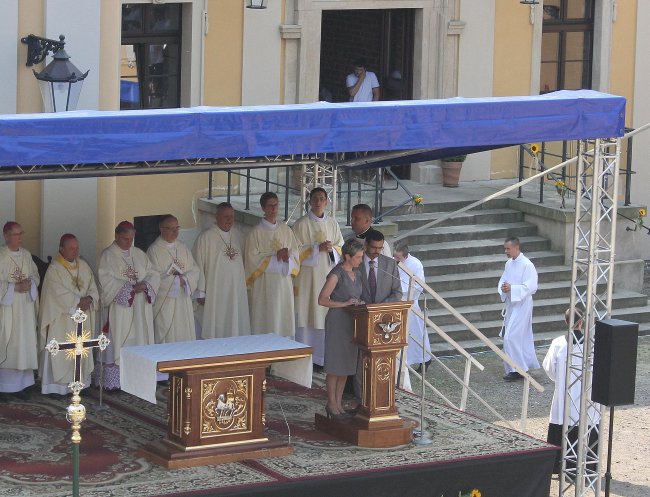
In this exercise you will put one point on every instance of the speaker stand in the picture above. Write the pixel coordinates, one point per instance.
(608, 472)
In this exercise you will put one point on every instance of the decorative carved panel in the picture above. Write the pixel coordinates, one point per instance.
(226, 406)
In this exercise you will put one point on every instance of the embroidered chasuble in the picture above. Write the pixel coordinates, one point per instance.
(173, 314)
(18, 327)
(270, 280)
(65, 283)
(127, 316)
(222, 282)
(315, 265)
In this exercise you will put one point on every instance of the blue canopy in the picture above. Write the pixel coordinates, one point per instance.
(222, 132)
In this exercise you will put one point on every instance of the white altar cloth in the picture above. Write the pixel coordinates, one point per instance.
(138, 364)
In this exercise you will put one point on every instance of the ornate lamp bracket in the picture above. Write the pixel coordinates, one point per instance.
(38, 48)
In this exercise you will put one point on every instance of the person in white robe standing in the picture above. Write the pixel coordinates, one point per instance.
(554, 364)
(271, 262)
(173, 313)
(320, 241)
(221, 291)
(128, 285)
(69, 284)
(516, 288)
(18, 307)
(417, 330)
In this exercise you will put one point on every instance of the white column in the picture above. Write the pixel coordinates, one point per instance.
(262, 55)
(475, 69)
(640, 116)
(70, 205)
(9, 37)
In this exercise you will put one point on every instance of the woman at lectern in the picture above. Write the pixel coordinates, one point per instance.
(342, 289)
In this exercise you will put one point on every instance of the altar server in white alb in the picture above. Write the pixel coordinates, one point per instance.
(173, 313)
(18, 305)
(320, 241)
(128, 285)
(69, 284)
(221, 291)
(417, 330)
(516, 288)
(271, 262)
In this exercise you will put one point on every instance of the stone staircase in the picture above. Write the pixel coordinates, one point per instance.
(463, 260)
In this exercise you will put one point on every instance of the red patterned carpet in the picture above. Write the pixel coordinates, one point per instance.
(467, 453)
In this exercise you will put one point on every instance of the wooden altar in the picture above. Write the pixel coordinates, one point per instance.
(380, 332)
(215, 407)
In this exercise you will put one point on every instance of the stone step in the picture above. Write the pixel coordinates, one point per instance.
(489, 295)
(476, 247)
(458, 265)
(484, 279)
(447, 206)
(481, 216)
(440, 234)
(553, 307)
(542, 339)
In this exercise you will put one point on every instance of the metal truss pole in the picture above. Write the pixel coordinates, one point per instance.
(321, 174)
(592, 285)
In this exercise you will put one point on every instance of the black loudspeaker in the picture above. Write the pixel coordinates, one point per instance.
(614, 362)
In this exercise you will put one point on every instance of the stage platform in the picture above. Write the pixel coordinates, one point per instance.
(468, 453)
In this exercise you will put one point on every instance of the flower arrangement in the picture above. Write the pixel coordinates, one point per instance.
(474, 493)
(561, 188)
(416, 203)
(638, 221)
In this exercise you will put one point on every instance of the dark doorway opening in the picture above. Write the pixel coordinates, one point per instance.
(384, 38)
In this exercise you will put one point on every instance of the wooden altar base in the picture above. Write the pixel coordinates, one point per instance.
(390, 434)
(171, 457)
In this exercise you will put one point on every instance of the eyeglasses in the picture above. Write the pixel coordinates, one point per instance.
(20, 233)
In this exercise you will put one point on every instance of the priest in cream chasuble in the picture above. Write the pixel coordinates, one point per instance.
(221, 292)
(271, 262)
(18, 307)
(320, 241)
(128, 284)
(172, 260)
(69, 284)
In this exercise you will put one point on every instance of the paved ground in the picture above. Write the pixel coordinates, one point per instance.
(630, 471)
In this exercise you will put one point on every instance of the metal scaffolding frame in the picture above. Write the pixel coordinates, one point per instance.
(592, 286)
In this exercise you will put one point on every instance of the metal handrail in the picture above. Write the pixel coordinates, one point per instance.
(528, 379)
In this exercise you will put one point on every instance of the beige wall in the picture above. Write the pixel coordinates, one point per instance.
(513, 41)
(223, 53)
(623, 49)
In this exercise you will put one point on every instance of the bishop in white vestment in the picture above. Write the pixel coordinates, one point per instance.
(69, 284)
(18, 306)
(271, 262)
(128, 284)
(221, 290)
(320, 241)
(516, 288)
(172, 310)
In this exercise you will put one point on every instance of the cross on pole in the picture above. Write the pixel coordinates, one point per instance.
(77, 347)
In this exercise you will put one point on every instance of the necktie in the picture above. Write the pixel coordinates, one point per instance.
(372, 281)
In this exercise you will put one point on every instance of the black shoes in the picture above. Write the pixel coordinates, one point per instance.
(512, 376)
(23, 395)
(426, 366)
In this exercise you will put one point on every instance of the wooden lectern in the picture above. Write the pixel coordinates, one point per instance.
(380, 332)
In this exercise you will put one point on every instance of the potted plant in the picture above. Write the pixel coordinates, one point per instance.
(451, 167)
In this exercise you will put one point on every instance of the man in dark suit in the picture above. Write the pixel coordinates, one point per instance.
(361, 220)
(379, 274)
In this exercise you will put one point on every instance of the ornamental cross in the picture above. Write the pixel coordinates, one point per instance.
(77, 347)
(18, 275)
(130, 274)
(231, 252)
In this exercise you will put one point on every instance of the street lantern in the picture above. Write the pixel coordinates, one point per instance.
(255, 4)
(60, 81)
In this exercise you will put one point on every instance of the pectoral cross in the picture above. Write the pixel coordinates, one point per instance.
(17, 274)
(77, 347)
(130, 274)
